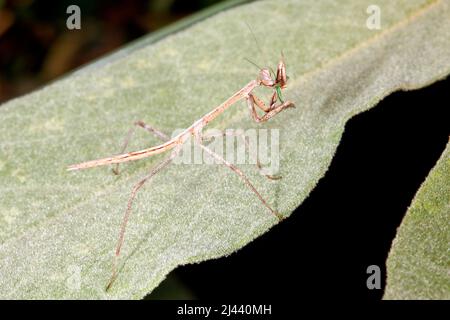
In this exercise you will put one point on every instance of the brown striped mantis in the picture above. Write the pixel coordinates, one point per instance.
(195, 130)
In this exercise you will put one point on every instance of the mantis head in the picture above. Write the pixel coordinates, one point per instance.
(265, 76)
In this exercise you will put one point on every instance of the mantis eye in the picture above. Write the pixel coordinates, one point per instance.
(265, 78)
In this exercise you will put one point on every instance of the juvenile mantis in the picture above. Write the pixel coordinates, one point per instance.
(175, 144)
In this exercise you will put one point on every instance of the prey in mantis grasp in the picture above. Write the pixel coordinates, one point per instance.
(175, 144)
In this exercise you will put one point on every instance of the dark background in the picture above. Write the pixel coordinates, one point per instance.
(346, 224)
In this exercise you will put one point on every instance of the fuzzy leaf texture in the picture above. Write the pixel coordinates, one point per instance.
(59, 228)
(418, 264)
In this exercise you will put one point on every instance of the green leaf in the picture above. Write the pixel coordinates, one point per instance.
(418, 263)
(59, 228)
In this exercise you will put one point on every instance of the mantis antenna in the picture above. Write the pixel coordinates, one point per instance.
(260, 50)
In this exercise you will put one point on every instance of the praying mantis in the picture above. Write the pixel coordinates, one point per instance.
(175, 144)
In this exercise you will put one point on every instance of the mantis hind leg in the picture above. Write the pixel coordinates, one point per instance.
(127, 214)
(159, 134)
(239, 173)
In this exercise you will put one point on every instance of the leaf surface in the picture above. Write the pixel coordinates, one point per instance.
(419, 264)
